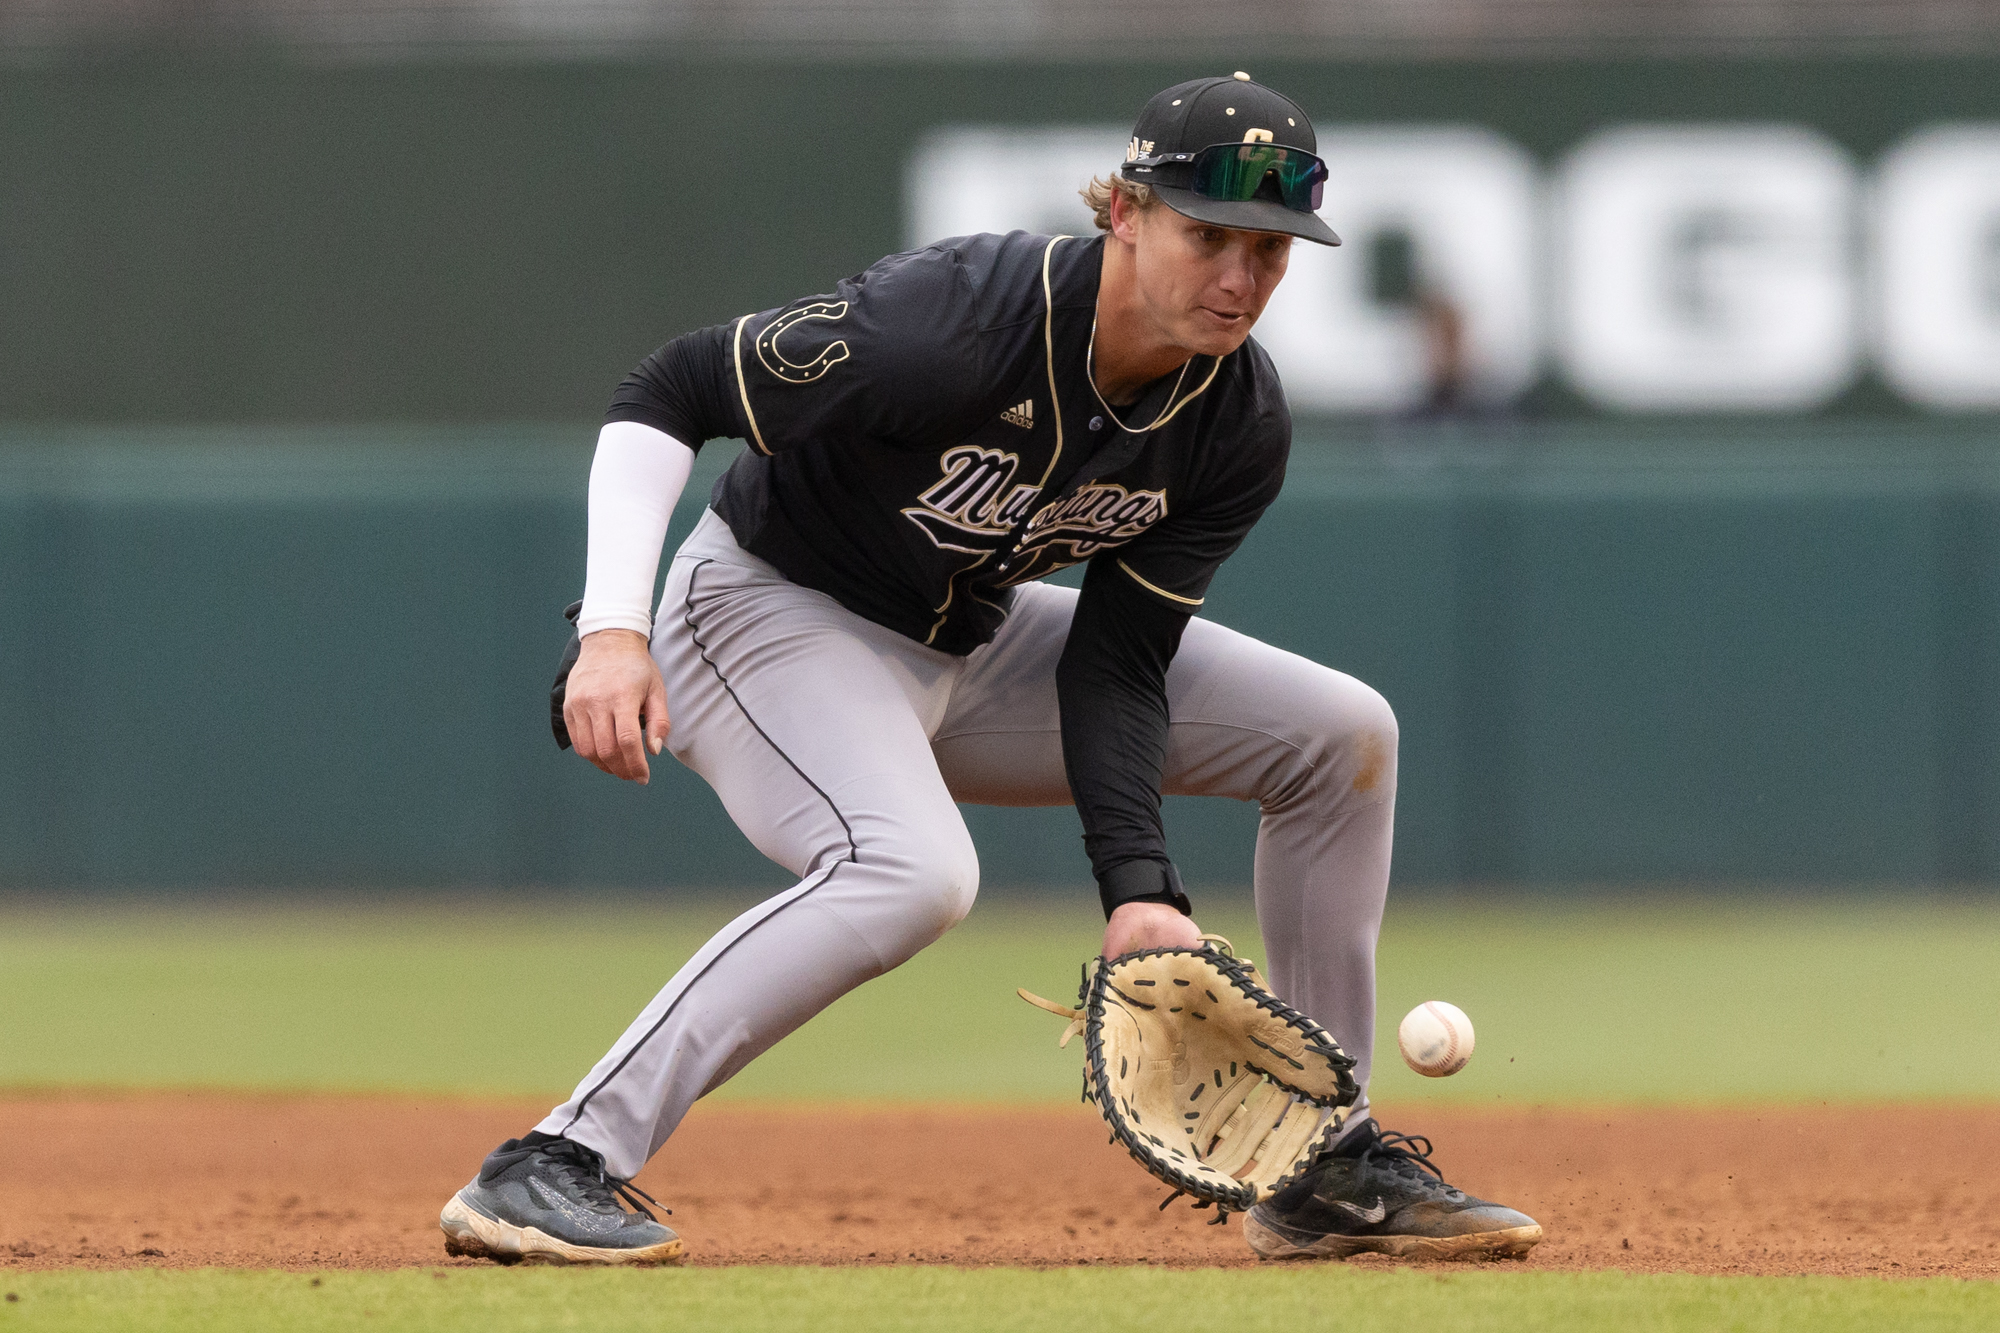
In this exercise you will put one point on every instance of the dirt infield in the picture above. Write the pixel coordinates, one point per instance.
(186, 1180)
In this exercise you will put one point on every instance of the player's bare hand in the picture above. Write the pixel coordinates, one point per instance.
(615, 705)
(1149, 926)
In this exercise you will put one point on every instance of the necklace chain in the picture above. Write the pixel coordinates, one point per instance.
(1090, 373)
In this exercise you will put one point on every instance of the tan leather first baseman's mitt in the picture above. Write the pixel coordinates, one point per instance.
(1212, 1083)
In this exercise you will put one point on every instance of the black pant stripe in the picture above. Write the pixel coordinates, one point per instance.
(853, 854)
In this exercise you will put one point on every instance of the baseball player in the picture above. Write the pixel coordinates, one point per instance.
(854, 639)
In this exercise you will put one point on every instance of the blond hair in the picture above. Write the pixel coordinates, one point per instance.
(1097, 197)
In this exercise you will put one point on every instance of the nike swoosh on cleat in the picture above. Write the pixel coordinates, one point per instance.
(1371, 1216)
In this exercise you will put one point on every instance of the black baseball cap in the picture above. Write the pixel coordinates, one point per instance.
(1188, 117)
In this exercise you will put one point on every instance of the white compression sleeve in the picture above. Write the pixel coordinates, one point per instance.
(635, 480)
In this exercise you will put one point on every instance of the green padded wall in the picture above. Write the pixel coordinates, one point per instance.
(309, 658)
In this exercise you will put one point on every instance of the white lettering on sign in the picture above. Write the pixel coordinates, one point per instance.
(1937, 266)
(1707, 267)
(967, 179)
(1435, 223)
(1687, 268)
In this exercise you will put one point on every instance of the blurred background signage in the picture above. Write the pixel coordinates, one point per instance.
(1669, 268)
(1647, 455)
(454, 210)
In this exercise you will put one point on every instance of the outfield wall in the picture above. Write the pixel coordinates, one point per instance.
(255, 658)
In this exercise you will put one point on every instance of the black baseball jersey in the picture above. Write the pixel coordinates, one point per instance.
(926, 436)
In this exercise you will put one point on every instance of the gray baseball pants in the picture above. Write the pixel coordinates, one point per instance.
(840, 748)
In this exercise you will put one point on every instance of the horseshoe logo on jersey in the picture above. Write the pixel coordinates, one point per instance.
(801, 372)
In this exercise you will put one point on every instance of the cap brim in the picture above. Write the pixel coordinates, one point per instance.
(1248, 215)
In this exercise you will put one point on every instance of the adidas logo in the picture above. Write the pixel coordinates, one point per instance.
(1021, 414)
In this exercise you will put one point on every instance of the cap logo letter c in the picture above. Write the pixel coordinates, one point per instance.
(1256, 136)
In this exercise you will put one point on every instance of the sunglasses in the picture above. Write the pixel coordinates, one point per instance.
(1234, 172)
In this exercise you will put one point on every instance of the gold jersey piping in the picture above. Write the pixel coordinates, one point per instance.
(1055, 410)
(736, 349)
(1049, 354)
(1154, 587)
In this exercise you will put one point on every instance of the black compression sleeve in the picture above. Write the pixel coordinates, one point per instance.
(682, 389)
(1112, 688)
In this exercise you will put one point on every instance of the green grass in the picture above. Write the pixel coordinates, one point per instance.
(1681, 999)
(865, 1300)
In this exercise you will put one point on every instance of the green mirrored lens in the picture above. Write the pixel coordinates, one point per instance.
(1234, 173)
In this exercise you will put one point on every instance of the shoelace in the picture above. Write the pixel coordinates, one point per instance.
(585, 1170)
(1400, 1153)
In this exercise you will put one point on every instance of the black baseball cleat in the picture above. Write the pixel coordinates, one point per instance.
(1378, 1193)
(547, 1200)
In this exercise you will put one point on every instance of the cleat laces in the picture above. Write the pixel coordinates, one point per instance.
(1399, 1153)
(1408, 1156)
(583, 1171)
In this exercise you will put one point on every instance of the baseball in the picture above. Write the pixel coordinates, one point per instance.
(1436, 1038)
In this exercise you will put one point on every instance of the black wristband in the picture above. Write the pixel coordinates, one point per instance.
(1142, 882)
(559, 692)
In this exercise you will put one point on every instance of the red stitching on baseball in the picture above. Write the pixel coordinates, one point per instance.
(1451, 1052)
